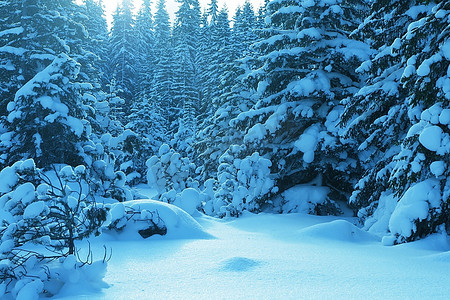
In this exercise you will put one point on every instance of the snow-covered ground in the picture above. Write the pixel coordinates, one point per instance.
(267, 256)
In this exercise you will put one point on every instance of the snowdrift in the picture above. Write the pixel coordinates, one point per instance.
(338, 230)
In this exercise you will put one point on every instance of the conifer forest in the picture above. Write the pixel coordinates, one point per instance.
(332, 108)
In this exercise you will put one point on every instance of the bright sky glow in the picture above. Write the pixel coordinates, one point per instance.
(171, 5)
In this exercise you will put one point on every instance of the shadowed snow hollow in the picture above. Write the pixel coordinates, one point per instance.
(238, 264)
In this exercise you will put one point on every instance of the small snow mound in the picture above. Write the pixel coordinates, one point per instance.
(437, 242)
(443, 257)
(338, 230)
(238, 264)
(179, 224)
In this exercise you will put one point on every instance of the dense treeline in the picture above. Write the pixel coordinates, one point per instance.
(347, 96)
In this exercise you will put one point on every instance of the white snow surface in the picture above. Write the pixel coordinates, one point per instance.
(266, 256)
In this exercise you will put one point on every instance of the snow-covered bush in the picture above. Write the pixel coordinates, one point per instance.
(207, 196)
(169, 174)
(244, 184)
(42, 215)
(50, 209)
(107, 176)
(135, 150)
(45, 118)
(109, 183)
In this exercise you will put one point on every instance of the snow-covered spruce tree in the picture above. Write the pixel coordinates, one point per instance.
(139, 146)
(123, 53)
(215, 134)
(218, 54)
(161, 93)
(146, 115)
(262, 14)
(204, 45)
(421, 172)
(105, 106)
(232, 188)
(405, 188)
(145, 46)
(99, 100)
(306, 67)
(43, 214)
(379, 126)
(50, 87)
(186, 77)
(245, 29)
(97, 44)
(215, 34)
(79, 45)
(147, 121)
(213, 11)
(55, 112)
(46, 119)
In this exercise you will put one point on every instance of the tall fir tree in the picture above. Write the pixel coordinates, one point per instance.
(162, 85)
(378, 126)
(145, 45)
(216, 53)
(400, 119)
(213, 11)
(306, 67)
(186, 77)
(221, 87)
(146, 119)
(123, 53)
(244, 28)
(97, 44)
(145, 116)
